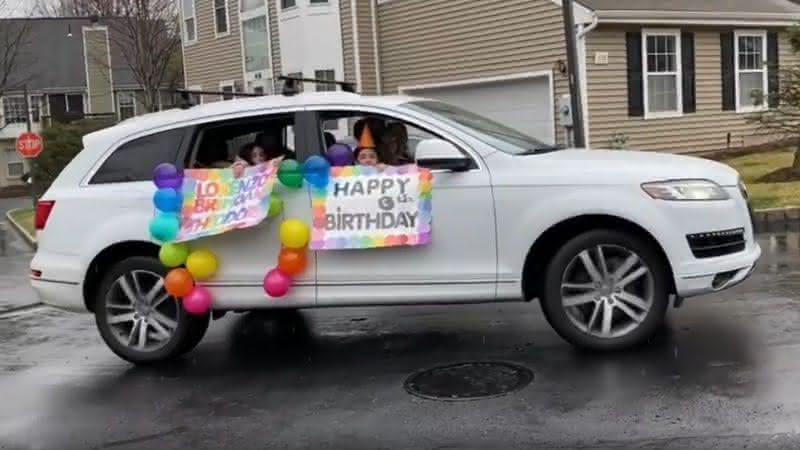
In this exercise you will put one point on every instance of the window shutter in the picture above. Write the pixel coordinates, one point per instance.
(635, 80)
(773, 67)
(728, 72)
(687, 72)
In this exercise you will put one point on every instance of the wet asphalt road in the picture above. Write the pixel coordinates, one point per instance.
(724, 374)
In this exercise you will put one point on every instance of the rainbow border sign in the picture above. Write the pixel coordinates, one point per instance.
(363, 207)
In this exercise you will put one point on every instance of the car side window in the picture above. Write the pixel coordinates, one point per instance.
(218, 144)
(396, 140)
(135, 160)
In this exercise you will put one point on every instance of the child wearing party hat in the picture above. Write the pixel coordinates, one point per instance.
(366, 154)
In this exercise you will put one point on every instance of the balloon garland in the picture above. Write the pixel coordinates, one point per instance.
(190, 266)
(186, 267)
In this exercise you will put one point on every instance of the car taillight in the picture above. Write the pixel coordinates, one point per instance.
(43, 210)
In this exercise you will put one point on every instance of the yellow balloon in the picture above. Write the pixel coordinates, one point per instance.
(202, 264)
(294, 233)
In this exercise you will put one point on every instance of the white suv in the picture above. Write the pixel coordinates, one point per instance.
(604, 240)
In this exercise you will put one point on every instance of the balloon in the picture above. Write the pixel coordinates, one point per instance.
(292, 261)
(179, 282)
(166, 175)
(294, 233)
(318, 180)
(202, 264)
(165, 226)
(173, 254)
(290, 174)
(316, 165)
(277, 283)
(275, 205)
(340, 155)
(168, 200)
(198, 302)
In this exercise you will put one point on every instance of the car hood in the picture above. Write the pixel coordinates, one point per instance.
(619, 167)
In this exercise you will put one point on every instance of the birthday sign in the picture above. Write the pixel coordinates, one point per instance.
(217, 200)
(362, 207)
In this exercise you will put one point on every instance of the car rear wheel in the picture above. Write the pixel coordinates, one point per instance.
(138, 319)
(606, 290)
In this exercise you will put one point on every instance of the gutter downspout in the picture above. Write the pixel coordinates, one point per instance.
(356, 46)
(375, 49)
(582, 32)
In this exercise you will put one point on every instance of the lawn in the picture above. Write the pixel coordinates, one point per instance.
(767, 195)
(24, 218)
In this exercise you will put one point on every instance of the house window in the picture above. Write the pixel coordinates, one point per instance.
(126, 105)
(196, 99)
(319, 2)
(299, 84)
(751, 70)
(14, 110)
(227, 90)
(221, 17)
(285, 4)
(36, 102)
(248, 5)
(325, 75)
(254, 35)
(662, 73)
(14, 165)
(189, 21)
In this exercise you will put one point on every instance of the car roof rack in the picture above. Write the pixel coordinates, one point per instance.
(186, 99)
(290, 84)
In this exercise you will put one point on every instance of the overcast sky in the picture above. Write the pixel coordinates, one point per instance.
(16, 8)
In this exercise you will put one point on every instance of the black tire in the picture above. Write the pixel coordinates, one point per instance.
(557, 315)
(186, 335)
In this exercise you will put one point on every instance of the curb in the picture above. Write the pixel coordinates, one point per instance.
(777, 216)
(31, 240)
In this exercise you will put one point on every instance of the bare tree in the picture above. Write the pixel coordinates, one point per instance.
(13, 34)
(146, 35)
(782, 119)
(77, 8)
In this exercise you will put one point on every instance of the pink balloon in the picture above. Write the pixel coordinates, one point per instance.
(198, 302)
(277, 283)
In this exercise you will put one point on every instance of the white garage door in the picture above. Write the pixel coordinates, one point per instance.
(522, 104)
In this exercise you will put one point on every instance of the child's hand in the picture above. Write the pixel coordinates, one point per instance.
(238, 168)
(381, 166)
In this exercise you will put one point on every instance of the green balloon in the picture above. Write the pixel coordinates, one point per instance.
(290, 174)
(275, 205)
(173, 254)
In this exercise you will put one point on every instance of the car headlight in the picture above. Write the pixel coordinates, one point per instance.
(685, 190)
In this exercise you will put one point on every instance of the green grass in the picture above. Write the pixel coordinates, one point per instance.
(24, 218)
(767, 195)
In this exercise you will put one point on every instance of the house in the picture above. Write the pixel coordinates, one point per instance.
(65, 67)
(678, 75)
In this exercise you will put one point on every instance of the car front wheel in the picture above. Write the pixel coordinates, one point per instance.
(606, 290)
(138, 319)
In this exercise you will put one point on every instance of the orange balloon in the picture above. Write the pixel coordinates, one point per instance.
(292, 261)
(179, 282)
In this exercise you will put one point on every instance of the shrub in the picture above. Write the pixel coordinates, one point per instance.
(62, 141)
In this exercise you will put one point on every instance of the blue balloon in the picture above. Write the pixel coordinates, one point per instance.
(165, 226)
(168, 200)
(318, 180)
(316, 166)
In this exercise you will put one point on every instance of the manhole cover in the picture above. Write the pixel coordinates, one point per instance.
(468, 381)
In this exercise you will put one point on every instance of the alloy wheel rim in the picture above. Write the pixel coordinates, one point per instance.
(607, 291)
(139, 311)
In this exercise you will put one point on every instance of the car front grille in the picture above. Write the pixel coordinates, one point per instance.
(716, 243)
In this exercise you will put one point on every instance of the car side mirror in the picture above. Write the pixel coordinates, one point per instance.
(438, 154)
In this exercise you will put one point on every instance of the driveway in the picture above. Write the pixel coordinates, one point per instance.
(722, 375)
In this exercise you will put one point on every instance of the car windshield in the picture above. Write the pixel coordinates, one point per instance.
(497, 135)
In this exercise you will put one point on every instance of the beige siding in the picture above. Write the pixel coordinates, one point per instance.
(706, 129)
(98, 71)
(211, 59)
(429, 41)
(275, 41)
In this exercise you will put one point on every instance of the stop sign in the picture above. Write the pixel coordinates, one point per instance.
(29, 145)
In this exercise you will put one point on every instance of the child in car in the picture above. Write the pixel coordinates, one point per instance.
(366, 154)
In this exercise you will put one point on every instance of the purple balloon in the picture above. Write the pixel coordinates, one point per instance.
(166, 175)
(340, 155)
